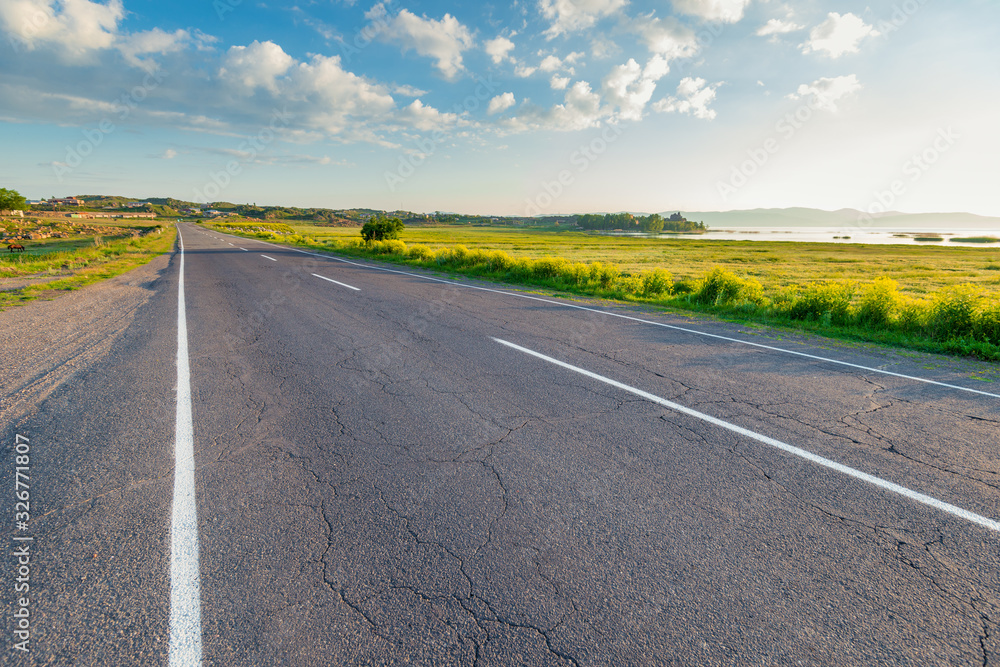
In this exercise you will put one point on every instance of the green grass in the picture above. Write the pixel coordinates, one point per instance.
(977, 239)
(76, 262)
(936, 298)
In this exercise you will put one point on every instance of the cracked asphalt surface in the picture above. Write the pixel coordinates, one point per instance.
(380, 483)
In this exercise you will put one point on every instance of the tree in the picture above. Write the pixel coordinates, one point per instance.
(653, 224)
(381, 229)
(11, 200)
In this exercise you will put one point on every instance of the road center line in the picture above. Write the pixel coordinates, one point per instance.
(801, 453)
(336, 282)
(185, 573)
(270, 258)
(644, 321)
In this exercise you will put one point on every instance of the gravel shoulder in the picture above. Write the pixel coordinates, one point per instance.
(43, 343)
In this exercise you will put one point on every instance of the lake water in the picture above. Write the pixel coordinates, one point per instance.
(832, 235)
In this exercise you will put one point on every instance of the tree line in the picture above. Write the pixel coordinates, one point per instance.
(652, 224)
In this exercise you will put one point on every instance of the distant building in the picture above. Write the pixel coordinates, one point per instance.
(65, 201)
(677, 217)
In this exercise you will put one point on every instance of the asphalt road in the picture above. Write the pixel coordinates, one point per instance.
(396, 468)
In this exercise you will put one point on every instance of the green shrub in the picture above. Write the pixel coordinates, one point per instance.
(498, 261)
(656, 283)
(420, 252)
(721, 287)
(549, 267)
(988, 324)
(879, 303)
(604, 275)
(954, 311)
(914, 315)
(576, 274)
(828, 302)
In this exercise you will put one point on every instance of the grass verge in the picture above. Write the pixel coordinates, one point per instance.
(75, 264)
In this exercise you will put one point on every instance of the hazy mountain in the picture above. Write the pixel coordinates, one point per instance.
(846, 217)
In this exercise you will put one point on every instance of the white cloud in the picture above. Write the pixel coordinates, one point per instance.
(581, 109)
(573, 15)
(825, 93)
(776, 27)
(727, 11)
(630, 87)
(550, 64)
(426, 118)
(499, 49)
(408, 91)
(169, 154)
(75, 30)
(524, 71)
(501, 103)
(559, 82)
(444, 39)
(693, 97)
(339, 93)
(666, 37)
(838, 35)
(152, 41)
(256, 66)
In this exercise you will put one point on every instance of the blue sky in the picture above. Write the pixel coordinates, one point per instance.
(535, 107)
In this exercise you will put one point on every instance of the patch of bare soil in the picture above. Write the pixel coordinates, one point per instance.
(43, 343)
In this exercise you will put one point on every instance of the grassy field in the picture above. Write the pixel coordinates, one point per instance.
(50, 266)
(941, 299)
(919, 270)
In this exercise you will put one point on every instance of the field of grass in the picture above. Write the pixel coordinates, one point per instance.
(50, 266)
(938, 298)
(918, 270)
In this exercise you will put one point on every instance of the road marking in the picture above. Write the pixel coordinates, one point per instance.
(270, 258)
(809, 456)
(651, 322)
(244, 250)
(185, 577)
(337, 282)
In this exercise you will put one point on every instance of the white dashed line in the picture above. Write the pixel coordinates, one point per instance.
(185, 577)
(336, 282)
(663, 325)
(270, 258)
(809, 456)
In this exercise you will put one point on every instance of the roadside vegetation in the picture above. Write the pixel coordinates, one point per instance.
(66, 262)
(929, 298)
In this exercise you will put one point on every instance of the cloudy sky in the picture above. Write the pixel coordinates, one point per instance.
(535, 106)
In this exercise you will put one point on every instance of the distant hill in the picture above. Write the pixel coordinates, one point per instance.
(811, 217)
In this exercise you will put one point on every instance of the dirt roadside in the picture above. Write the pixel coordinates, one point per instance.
(43, 343)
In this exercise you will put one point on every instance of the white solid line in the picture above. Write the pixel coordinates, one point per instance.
(185, 573)
(643, 321)
(337, 282)
(270, 258)
(809, 456)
